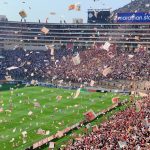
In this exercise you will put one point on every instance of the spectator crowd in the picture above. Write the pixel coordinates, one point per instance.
(127, 130)
(39, 65)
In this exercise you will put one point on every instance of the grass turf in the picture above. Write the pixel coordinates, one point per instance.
(52, 115)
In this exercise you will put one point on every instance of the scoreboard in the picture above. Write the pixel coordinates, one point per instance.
(98, 16)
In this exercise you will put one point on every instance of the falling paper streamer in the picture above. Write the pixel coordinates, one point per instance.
(51, 145)
(115, 100)
(77, 93)
(1, 57)
(24, 133)
(59, 97)
(35, 38)
(95, 13)
(59, 134)
(12, 140)
(92, 83)
(95, 128)
(137, 38)
(106, 46)
(147, 5)
(52, 51)
(130, 56)
(45, 30)
(41, 132)
(14, 130)
(64, 58)
(47, 132)
(1, 109)
(52, 13)
(77, 7)
(37, 104)
(76, 60)
(34, 82)
(122, 144)
(14, 67)
(32, 74)
(138, 105)
(143, 94)
(51, 48)
(11, 68)
(23, 14)
(107, 71)
(8, 78)
(30, 113)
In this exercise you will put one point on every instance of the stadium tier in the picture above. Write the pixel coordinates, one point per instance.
(29, 35)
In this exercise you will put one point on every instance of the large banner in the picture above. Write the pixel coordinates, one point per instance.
(139, 17)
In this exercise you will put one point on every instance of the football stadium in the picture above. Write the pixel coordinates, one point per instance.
(79, 85)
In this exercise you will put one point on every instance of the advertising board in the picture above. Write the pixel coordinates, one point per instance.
(138, 17)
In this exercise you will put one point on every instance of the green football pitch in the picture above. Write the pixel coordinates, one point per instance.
(51, 115)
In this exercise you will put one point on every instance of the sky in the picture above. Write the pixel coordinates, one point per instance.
(41, 9)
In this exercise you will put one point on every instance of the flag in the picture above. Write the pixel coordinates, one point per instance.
(71, 7)
(45, 30)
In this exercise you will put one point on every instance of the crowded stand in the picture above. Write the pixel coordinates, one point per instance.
(40, 66)
(128, 129)
(93, 61)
